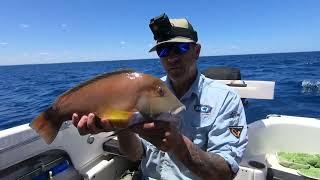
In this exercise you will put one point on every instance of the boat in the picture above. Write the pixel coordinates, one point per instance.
(24, 155)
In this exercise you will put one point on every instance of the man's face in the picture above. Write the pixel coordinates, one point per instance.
(179, 59)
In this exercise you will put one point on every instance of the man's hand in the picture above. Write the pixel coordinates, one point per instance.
(129, 143)
(88, 124)
(164, 135)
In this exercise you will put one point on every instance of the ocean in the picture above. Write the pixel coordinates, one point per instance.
(26, 90)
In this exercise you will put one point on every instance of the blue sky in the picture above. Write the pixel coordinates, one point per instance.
(43, 31)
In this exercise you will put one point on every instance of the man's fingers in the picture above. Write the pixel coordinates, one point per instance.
(152, 135)
(152, 126)
(148, 132)
(144, 126)
(75, 119)
(92, 124)
(159, 125)
(106, 125)
(82, 126)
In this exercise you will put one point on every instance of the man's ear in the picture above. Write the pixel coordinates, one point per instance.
(197, 50)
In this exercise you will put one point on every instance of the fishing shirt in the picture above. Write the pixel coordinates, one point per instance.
(214, 120)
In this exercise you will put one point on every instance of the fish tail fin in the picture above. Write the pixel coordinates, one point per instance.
(47, 129)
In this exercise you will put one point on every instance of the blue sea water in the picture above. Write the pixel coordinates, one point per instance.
(26, 90)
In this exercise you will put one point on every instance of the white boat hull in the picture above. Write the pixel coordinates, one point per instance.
(21, 142)
(274, 134)
(266, 137)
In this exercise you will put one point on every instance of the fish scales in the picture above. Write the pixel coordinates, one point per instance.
(114, 97)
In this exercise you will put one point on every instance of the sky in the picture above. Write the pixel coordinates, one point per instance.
(43, 31)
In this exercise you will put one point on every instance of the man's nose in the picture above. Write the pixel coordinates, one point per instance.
(173, 58)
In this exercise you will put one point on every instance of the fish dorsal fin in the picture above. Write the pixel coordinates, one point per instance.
(101, 76)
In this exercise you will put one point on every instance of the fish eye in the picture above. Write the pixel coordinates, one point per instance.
(160, 91)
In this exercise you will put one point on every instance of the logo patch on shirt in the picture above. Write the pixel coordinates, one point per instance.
(202, 108)
(236, 130)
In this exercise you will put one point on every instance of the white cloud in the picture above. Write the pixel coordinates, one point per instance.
(123, 44)
(64, 27)
(25, 54)
(3, 43)
(234, 47)
(43, 53)
(208, 49)
(67, 55)
(65, 52)
(24, 26)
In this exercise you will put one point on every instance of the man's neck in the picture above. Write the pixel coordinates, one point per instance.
(181, 86)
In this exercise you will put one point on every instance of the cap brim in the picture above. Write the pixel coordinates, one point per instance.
(173, 40)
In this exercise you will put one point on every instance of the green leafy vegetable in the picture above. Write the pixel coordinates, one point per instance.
(311, 173)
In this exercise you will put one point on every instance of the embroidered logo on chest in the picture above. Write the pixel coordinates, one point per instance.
(202, 108)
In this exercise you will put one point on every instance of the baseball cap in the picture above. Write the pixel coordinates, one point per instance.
(181, 30)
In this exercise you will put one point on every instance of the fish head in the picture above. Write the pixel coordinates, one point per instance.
(156, 98)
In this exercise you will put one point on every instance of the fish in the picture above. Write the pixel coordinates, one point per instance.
(113, 96)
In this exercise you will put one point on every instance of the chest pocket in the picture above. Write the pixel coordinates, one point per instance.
(200, 136)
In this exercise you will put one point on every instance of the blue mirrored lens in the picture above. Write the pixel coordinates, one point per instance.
(163, 52)
(179, 48)
(183, 47)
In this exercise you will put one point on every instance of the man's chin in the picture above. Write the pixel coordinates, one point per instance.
(175, 73)
(174, 70)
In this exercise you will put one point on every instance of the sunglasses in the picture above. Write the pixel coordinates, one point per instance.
(178, 48)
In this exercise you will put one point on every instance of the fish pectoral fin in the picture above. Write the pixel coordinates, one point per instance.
(117, 118)
(116, 114)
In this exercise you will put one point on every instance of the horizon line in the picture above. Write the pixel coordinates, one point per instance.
(88, 61)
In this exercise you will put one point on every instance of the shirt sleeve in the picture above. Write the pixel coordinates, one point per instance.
(228, 135)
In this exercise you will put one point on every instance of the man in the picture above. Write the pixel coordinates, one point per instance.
(209, 140)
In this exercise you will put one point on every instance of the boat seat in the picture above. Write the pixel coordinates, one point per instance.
(224, 73)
